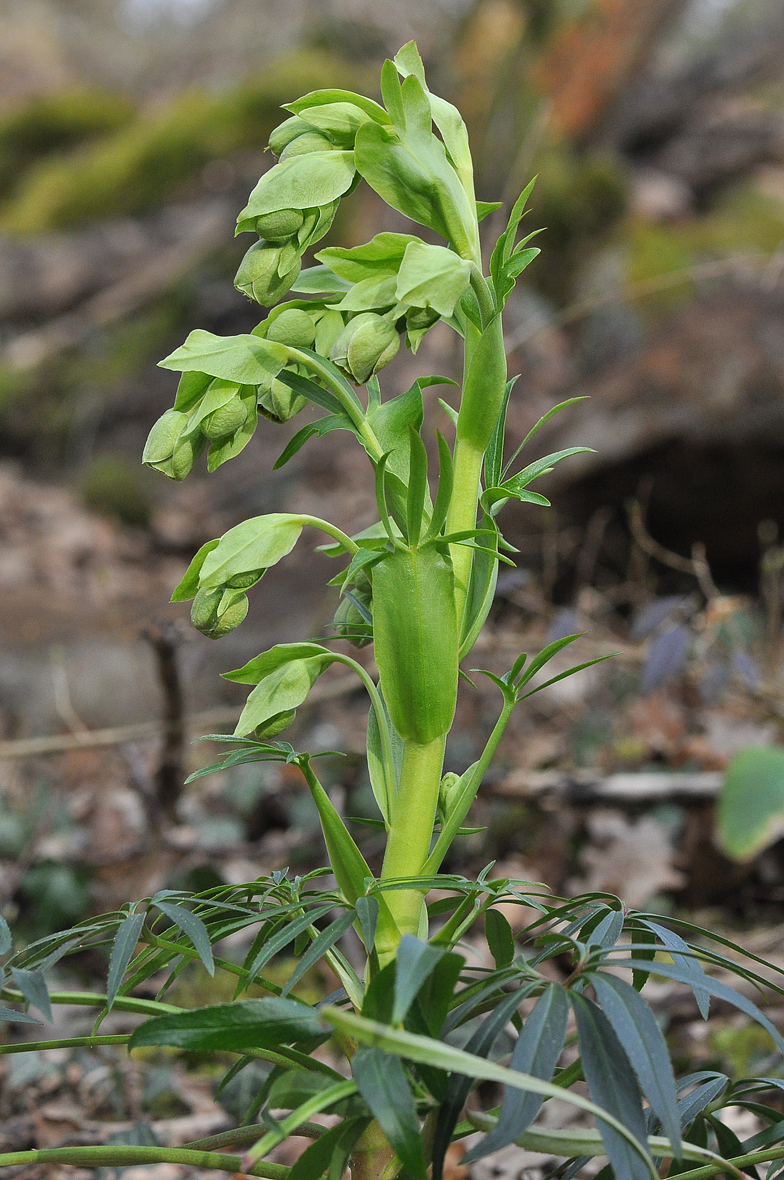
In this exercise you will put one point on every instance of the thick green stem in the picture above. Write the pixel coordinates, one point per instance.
(412, 828)
(372, 1154)
(462, 514)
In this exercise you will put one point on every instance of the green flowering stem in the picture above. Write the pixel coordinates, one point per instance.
(123, 1157)
(332, 531)
(455, 820)
(462, 514)
(351, 405)
(413, 817)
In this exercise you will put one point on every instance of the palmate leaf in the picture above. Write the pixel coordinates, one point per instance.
(329, 1152)
(192, 927)
(459, 1086)
(415, 961)
(319, 948)
(645, 1047)
(612, 1084)
(428, 1051)
(383, 1084)
(32, 985)
(122, 952)
(536, 1052)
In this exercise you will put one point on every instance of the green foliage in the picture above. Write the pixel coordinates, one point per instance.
(418, 583)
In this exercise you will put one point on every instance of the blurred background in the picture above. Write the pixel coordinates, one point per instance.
(130, 134)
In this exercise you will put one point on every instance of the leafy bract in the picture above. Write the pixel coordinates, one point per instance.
(432, 276)
(254, 544)
(247, 359)
(380, 257)
(301, 182)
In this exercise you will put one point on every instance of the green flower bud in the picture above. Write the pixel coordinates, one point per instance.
(275, 724)
(421, 317)
(204, 612)
(288, 130)
(169, 449)
(279, 403)
(266, 272)
(366, 344)
(446, 793)
(186, 452)
(244, 581)
(278, 226)
(303, 145)
(214, 622)
(294, 328)
(225, 421)
(349, 622)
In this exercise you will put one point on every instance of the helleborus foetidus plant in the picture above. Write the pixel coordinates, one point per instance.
(420, 1024)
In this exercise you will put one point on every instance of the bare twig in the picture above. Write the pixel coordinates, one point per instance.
(165, 639)
(696, 565)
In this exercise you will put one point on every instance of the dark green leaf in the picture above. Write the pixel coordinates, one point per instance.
(612, 1085)
(536, 1052)
(318, 948)
(367, 912)
(459, 1086)
(500, 938)
(693, 1104)
(122, 952)
(192, 927)
(644, 1045)
(335, 1144)
(691, 966)
(8, 1014)
(5, 937)
(245, 1024)
(415, 961)
(417, 486)
(383, 1084)
(284, 936)
(32, 985)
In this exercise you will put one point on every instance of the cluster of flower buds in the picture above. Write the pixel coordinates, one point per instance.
(218, 610)
(207, 410)
(272, 264)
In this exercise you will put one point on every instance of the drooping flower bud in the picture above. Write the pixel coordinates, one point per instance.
(294, 328)
(267, 271)
(169, 449)
(226, 420)
(283, 134)
(366, 344)
(279, 403)
(280, 225)
(303, 145)
(275, 724)
(216, 612)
